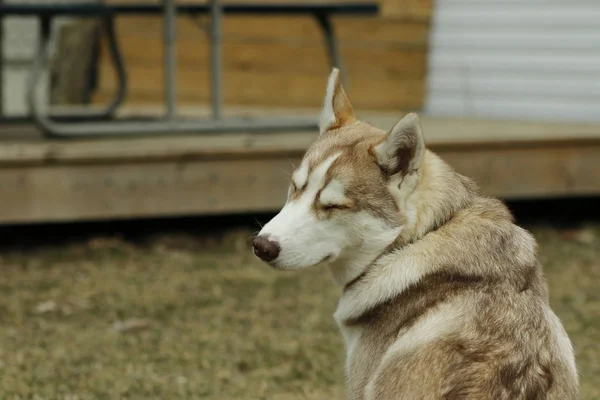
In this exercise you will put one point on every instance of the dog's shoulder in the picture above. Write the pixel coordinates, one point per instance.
(476, 323)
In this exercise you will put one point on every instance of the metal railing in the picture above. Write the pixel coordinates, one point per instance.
(170, 123)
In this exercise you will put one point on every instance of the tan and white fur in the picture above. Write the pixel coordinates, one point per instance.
(443, 296)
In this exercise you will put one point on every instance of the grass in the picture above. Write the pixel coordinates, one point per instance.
(196, 316)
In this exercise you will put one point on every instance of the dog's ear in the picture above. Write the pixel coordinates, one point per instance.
(401, 152)
(337, 110)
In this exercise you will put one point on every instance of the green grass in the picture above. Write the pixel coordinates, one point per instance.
(196, 317)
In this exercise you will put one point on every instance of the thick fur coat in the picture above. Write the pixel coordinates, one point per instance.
(443, 296)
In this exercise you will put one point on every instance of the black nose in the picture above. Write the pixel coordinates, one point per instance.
(265, 249)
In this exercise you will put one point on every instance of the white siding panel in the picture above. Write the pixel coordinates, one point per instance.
(520, 109)
(513, 13)
(519, 15)
(516, 85)
(15, 80)
(515, 59)
(518, 40)
(20, 36)
(18, 47)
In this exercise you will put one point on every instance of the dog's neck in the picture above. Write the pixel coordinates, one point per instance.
(349, 268)
(424, 209)
(430, 245)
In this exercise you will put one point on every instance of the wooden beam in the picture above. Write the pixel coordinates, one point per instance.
(243, 86)
(134, 189)
(466, 135)
(264, 56)
(45, 180)
(280, 55)
(352, 31)
(528, 171)
(264, 68)
(407, 9)
(72, 66)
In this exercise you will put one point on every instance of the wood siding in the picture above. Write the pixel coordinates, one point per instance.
(281, 60)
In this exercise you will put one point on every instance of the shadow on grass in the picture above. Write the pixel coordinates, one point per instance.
(560, 213)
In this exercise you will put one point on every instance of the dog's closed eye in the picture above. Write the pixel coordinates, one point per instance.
(331, 206)
(332, 197)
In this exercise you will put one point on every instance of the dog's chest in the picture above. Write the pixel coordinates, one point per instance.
(351, 336)
(364, 351)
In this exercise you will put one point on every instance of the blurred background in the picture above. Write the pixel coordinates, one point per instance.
(143, 143)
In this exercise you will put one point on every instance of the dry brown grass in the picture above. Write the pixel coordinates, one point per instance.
(190, 317)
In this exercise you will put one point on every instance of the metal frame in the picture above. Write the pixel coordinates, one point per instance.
(1, 61)
(335, 58)
(41, 59)
(52, 126)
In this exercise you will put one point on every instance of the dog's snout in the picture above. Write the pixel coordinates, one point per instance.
(266, 249)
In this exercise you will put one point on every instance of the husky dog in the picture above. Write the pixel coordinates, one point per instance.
(443, 296)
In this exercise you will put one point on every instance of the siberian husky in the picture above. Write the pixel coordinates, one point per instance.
(443, 296)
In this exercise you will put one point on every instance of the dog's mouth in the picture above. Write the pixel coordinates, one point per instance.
(278, 266)
(327, 258)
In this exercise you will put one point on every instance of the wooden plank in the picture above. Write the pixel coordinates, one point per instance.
(531, 171)
(412, 9)
(250, 71)
(202, 147)
(287, 51)
(351, 31)
(49, 180)
(265, 57)
(70, 192)
(241, 1)
(468, 135)
(478, 132)
(73, 62)
(272, 88)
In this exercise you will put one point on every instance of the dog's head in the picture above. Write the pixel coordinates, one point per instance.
(346, 200)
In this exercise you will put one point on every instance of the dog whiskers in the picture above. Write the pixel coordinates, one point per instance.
(291, 162)
(286, 172)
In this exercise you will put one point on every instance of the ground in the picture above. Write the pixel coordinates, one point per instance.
(196, 316)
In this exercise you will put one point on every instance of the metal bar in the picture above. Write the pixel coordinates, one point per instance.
(121, 128)
(1, 62)
(215, 60)
(118, 64)
(333, 51)
(172, 124)
(41, 58)
(79, 9)
(170, 32)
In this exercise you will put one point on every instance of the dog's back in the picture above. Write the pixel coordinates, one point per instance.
(475, 325)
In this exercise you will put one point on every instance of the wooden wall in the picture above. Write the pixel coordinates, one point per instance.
(281, 61)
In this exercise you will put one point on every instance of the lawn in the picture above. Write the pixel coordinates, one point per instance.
(180, 315)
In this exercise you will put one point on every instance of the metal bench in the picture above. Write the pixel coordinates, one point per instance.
(86, 123)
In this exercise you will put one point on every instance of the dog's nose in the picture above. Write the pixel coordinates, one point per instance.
(265, 249)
